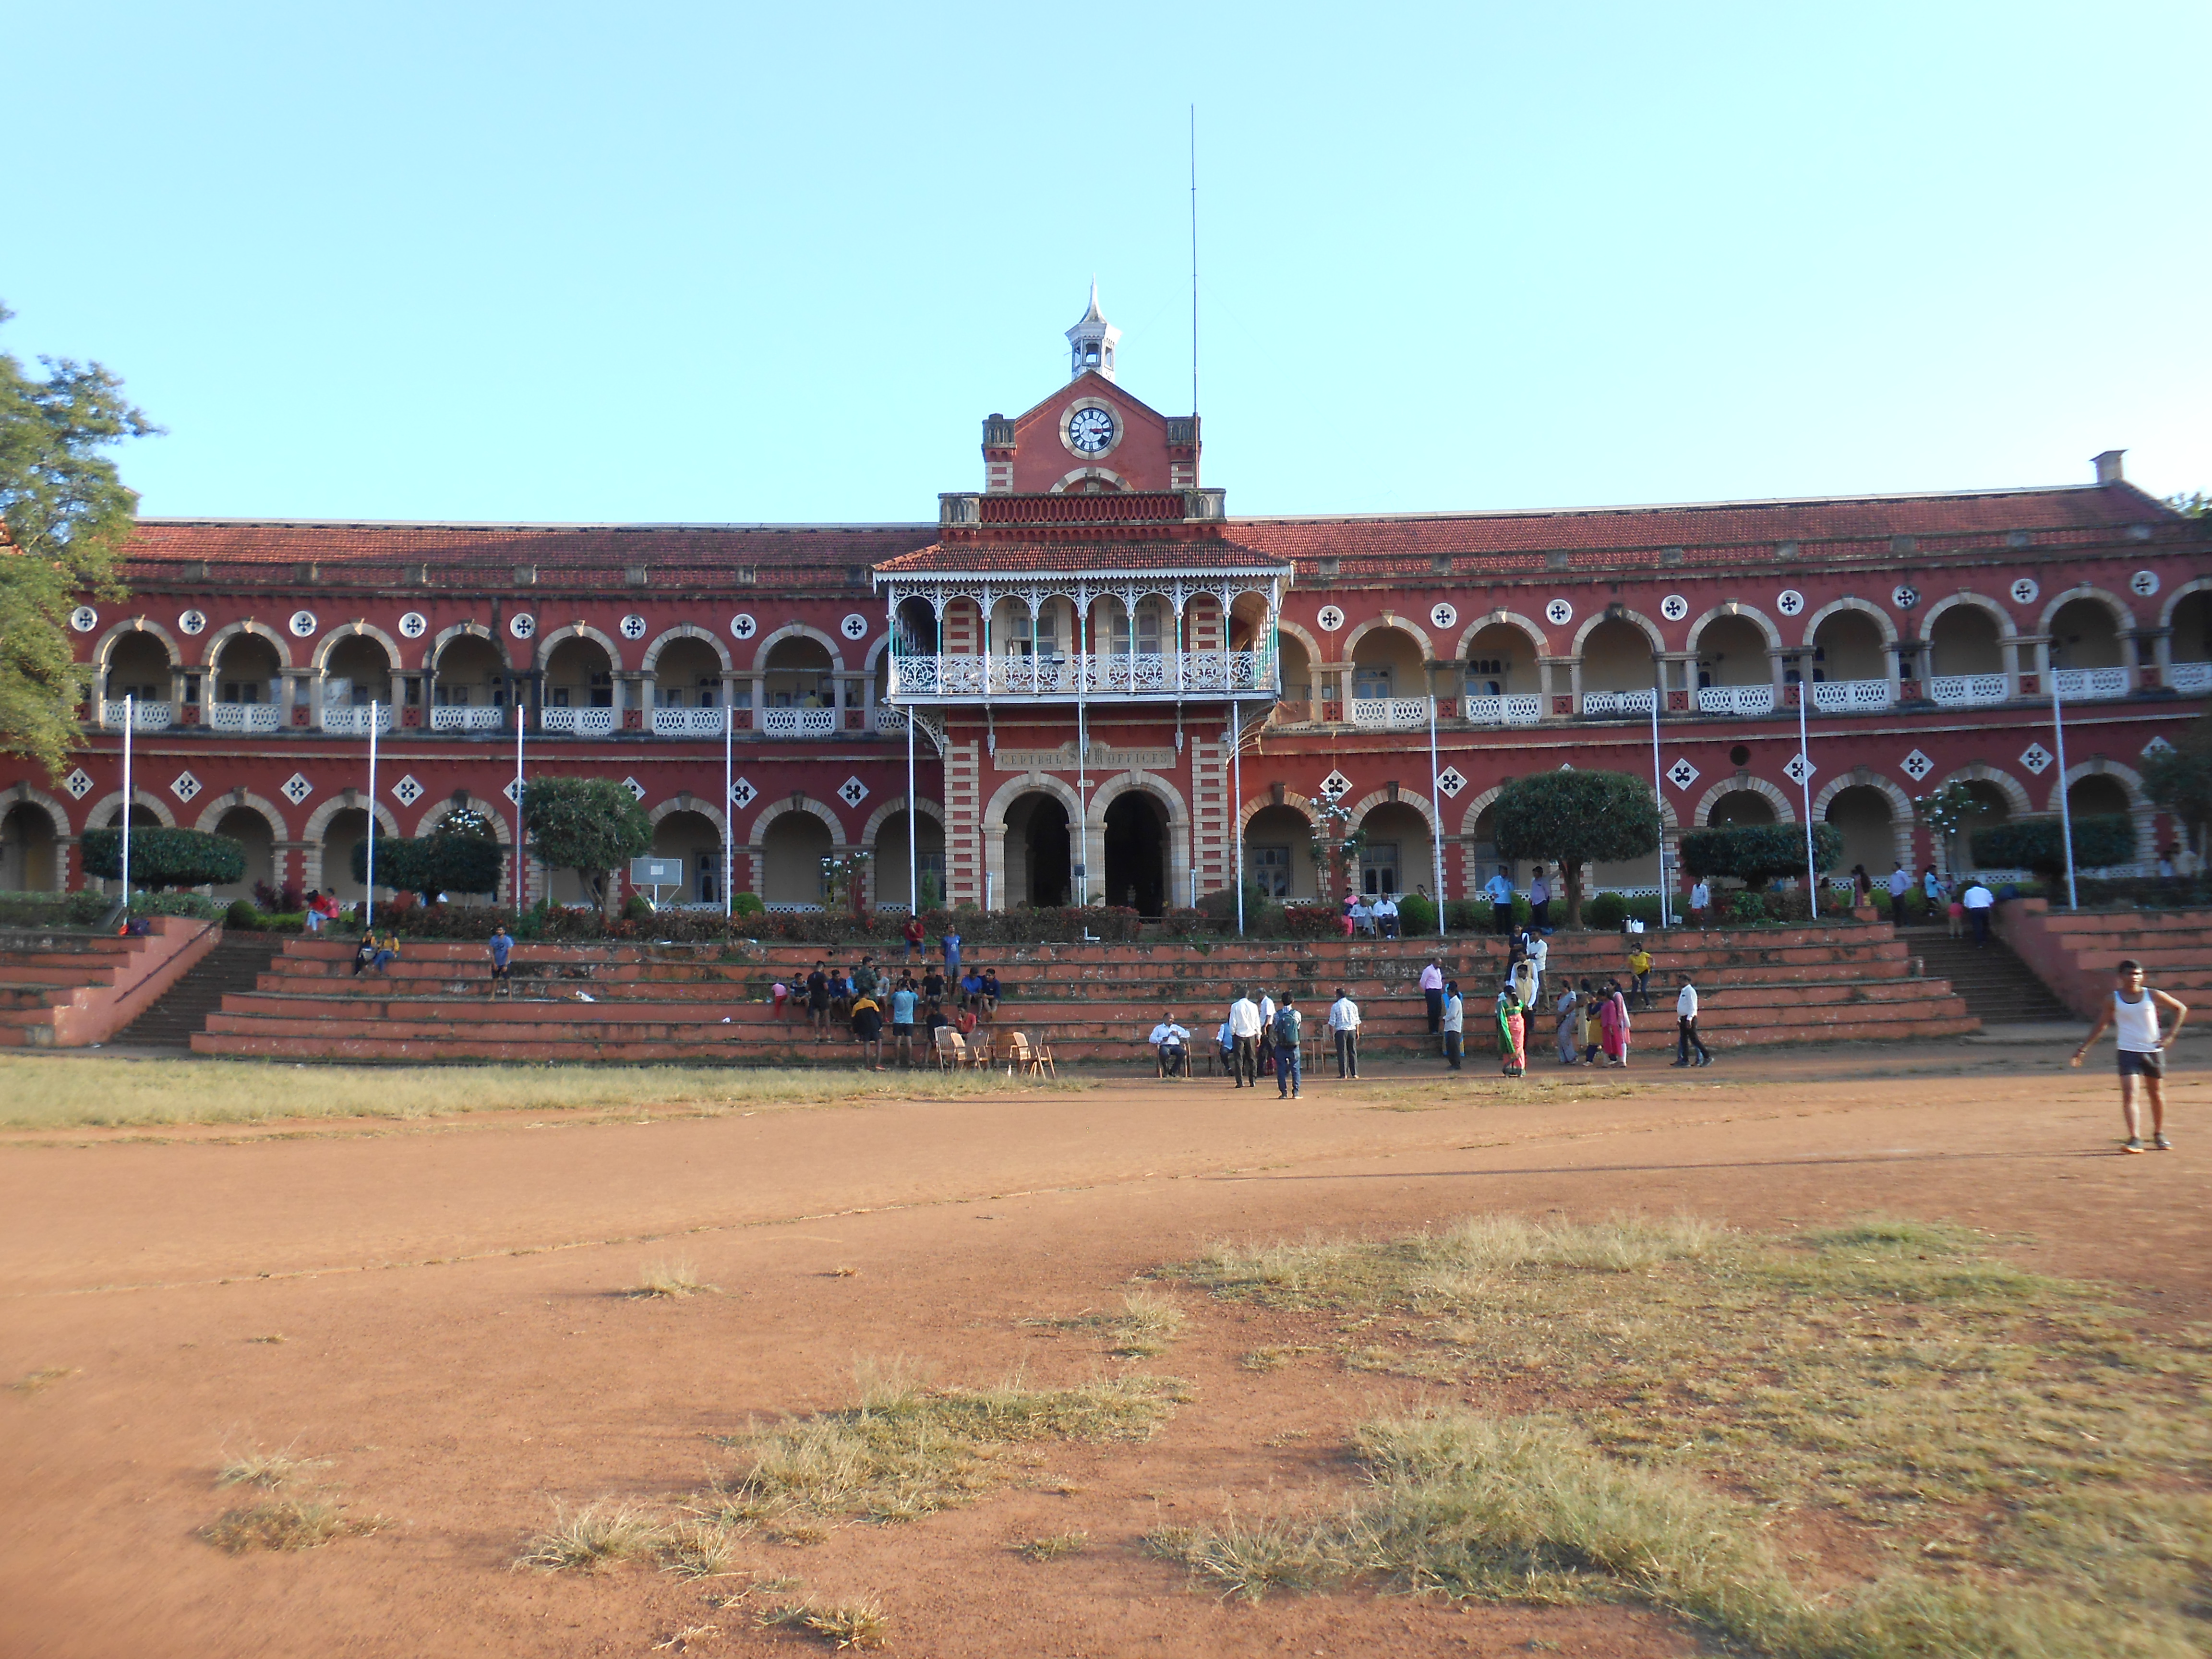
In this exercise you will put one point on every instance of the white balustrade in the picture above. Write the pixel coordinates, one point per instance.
(241, 717)
(2079, 684)
(2190, 677)
(345, 721)
(798, 722)
(1502, 711)
(1598, 704)
(891, 722)
(1849, 696)
(1144, 673)
(1969, 691)
(578, 722)
(673, 723)
(1390, 713)
(143, 716)
(1735, 700)
(467, 717)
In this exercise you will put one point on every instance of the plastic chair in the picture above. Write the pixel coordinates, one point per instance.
(952, 1051)
(1041, 1058)
(1020, 1060)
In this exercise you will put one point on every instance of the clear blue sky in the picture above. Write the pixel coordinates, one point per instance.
(705, 262)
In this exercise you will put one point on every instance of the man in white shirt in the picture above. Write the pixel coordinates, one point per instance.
(1386, 916)
(1899, 885)
(1344, 1022)
(1244, 1032)
(1499, 887)
(1454, 1025)
(1540, 901)
(1171, 1043)
(1978, 899)
(1539, 953)
(2133, 1012)
(1686, 1028)
(1701, 899)
(1432, 993)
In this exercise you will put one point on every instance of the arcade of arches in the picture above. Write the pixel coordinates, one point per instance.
(692, 836)
(29, 850)
(1039, 865)
(893, 869)
(792, 850)
(1136, 854)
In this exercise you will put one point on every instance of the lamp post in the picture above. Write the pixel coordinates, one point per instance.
(368, 885)
(2065, 807)
(1805, 783)
(130, 719)
(1659, 794)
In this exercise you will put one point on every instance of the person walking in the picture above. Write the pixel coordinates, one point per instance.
(1432, 993)
(1565, 1011)
(1540, 902)
(1344, 1023)
(1512, 1035)
(1244, 1032)
(502, 945)
(1499, 887)
(2133, 1012)
(1454, 1025)
(1685, 1027)
(1289, 1060)
(1639, 968)
(1701, 903)
(1899, 885)
(902, 1021)
(1978, 902)
(1267, 1054)
(1612, 1020)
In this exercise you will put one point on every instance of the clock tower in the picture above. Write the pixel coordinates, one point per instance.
(1090, 343)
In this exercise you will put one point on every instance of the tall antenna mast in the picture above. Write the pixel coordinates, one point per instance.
(1193, 259)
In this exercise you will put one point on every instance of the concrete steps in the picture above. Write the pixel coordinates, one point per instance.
(2073, 952)
(181, 1013)
(70, 989)
(1997, 986)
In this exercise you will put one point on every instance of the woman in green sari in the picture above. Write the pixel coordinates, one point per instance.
(1512, 1035)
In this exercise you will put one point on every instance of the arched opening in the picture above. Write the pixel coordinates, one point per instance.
(1617, 657)
(2098, 795)
(28, 850)
(1997, 806)
(470, 673)
(1279, 853)
(248, 669)
(1048, 636)
(891, 865)
(340, 836)
(798, 675)
(692, 837)
(687, 674)
(356, 673)
(1298, 697)
(1038, 866)
(139, 667)
(1848, 646)
(1501, 662)
(1484, 850)
(1398, 854)
(1965, 641)
(254, 833)
(791, 851)
(580, 675)
(1732, 650)
(1137, 853)
(1740, 807)
(1868, 821)
(1387, 663)
(2192, 629)
(2085, 634)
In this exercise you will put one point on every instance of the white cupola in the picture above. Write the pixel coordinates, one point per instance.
(1090, 343)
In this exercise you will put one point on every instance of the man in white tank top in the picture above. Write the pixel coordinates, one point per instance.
(2133, 1014)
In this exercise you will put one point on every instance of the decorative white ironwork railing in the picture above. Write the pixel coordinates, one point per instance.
(1849, 696)
(144, 716)
(1969, 691)
(467, 717)
(797, 722)
(891, 722)
(343, 721)
(2079, 683)
(1145, 673)
(241, 717)
(1390, 713)
(1735, 700)
(579, 722)
(1620, 703)
(2191, 677)
(1502, 711)
(674, 722)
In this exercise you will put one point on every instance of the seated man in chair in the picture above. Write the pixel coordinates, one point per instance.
(1171, 1043)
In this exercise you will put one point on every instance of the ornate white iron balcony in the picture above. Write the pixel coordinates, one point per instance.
(579, 722)
(143, 716)
(1969, 691)
(244, 717)
(1598, 704)
(467, 717)
(798, 722)
(343, 721)
(2191, 677)
(674, 722)
(1502, 711)
(1735, 700)
(1849, 696)
(1390, 713)
(2079, 683)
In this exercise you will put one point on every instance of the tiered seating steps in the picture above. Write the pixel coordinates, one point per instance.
(67, 988)
(1092, 1002)
(2075, 951)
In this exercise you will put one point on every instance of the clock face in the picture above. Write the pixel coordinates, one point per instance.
(1089, 431)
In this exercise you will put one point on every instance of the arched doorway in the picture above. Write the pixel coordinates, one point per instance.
(1038, 867)
(1397, 856)
(1868, 824)
(2097, 796)
(791, 851)
(139, 666)
(2084, 634)
(340, 836)
(1740, 807)
(891, 865)
(1279, 853)
(356, 673)
(1731, 651)
(27, 864)
(579, 674)
(1617, 657)
(1386, 663)
(1849, 646)
(692, 837)
(248, 669)
(471, 673)
(1137, 853)
(1965, 641)
(251, 832)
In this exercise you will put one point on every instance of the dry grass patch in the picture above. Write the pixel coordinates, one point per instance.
(1145, 1326)
(669, 1279)
(906, 1450)
(45, 1377)
(1274, 1355)
(267, 1468)
(287, 1523)
(844, 1624)
(697, 1549)
(597, 1536)
(1052, 1546)
(2032, 1457)
(44, 1094)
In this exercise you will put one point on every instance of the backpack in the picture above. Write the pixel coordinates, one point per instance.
(1286, 1027)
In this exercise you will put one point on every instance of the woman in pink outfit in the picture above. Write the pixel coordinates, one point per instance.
(1613, 1019)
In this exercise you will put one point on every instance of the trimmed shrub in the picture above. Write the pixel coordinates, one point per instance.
(1606, 912)
(748, 904)
(1755, 854)
(165, 857)
(1416, 916)
(241, 914)
(1313, 921)
(2038, 844)
(1573, 819)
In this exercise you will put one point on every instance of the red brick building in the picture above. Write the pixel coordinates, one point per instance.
(1081, 639)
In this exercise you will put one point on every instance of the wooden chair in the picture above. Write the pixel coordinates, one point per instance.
(1041, 1058)
(1186, 1068)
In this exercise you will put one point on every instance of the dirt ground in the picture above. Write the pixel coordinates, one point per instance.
(454, 1340)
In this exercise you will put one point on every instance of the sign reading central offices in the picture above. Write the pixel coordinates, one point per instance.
(1101, 759)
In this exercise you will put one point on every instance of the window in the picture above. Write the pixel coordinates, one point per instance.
(603, 689)
(192, 688)
(559, 694)
(710, 692)
(1371, 682)
(449, 696)
(241, 691)
(1271, 867)
(1378, 868)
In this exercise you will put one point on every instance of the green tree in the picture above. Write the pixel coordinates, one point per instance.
(1950, 810)
(1337, 848)
(590, 825)
(2181, 781)
(64, 516)
(2038, 845)
(1755, 854)
(461, 855)
(1574, 818)
(165, 857)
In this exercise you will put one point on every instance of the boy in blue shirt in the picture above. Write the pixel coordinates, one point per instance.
(502, 945)
(902, 1002)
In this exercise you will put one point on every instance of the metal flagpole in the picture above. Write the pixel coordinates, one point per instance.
(1083, 745)
(130, 719)
(1436, 840)
(1805, 783)
(1659, 794)
(1236, 812)
(2065, 809)
(728, 824)
(912, 836)
(520, 879)
(368, 886)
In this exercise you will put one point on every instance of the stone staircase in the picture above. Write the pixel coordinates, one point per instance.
(1998, 987)
(181, 1013)
(2075, 951)
(69, 988)
(1091, 1002)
